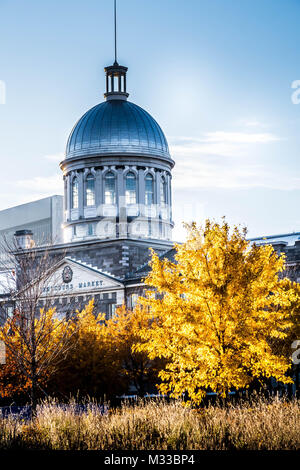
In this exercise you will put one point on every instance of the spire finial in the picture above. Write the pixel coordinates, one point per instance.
(116, 74)
(115, 2)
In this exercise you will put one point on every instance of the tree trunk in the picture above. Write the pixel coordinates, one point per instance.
(33, 391)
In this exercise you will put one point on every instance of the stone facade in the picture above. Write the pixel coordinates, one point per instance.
(119, 217)
(110, 272)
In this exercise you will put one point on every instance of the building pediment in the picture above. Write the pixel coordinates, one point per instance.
(76, 277)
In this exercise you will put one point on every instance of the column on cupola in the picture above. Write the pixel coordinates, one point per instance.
(65, 193)
(155, 206)
(157, 229)
(68, 196)
(157, 189)
(98, 191)
(80, 194)
(85, 172)
(169, 196)
(141, 192)
(121, 203)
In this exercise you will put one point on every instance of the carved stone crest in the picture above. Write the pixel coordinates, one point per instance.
(67, 274)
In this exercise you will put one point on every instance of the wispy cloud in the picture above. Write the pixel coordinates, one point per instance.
(189, 174)
(253, 123)
(42, 185)
(241, 137)
(58, 157)
(222, 159)
(228, 144)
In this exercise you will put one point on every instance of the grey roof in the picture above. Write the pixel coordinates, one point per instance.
(285, 238)
(91, 268)
(144, 269)
(117, 127)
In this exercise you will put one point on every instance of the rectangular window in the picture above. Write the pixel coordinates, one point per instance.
(91, 229)
(110, 189)
(163, 192)
(75, 193)
(133, 300)
(10, 311)
(149, 190)
(90, 190)
(130, 193)
(109, 311)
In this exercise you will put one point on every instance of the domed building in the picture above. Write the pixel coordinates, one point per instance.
(117, 204)
(117, 171)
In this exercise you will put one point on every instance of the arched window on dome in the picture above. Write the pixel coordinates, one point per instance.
(75, 193)
(163, 191)
(149, 190)
(130, 188)
(90, 190)
(110, 188)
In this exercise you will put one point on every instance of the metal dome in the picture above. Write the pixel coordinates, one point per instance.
(117, 127)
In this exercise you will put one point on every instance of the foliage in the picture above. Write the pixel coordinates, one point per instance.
(101, 362)
(98, 360)
(89, 367)
(218, 309)
(121, 334)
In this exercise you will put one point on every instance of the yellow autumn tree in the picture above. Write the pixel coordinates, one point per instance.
(290, 343)
(121, 333)
(101, 361)
(90, 367)
(216, 311)
(14, 384)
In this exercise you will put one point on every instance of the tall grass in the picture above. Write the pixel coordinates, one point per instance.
(259, 424)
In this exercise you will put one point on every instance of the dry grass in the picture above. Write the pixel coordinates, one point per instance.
(261, 424)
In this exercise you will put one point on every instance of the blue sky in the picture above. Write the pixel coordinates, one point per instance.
(216, 74)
